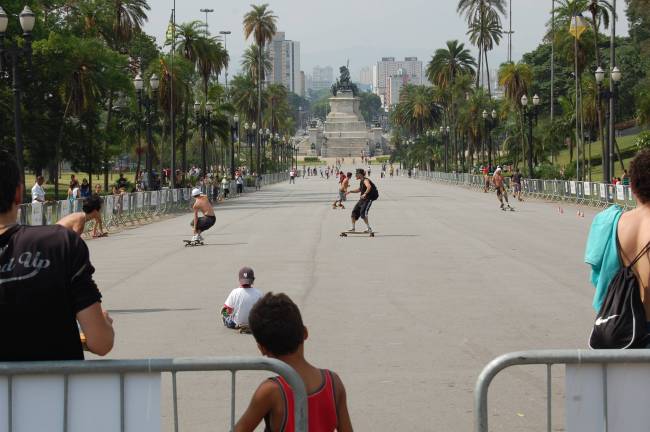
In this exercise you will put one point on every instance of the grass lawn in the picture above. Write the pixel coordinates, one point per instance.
(623, 143)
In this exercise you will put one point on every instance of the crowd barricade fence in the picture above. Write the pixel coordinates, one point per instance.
(121, 369)
(130, 208)
(604, 388)
(571, 191)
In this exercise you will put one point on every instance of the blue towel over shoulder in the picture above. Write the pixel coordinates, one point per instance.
(602, 252)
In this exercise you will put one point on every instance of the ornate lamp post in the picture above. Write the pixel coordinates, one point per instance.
(10, 57)
(531, 114)
(610, 95)
(149, 103)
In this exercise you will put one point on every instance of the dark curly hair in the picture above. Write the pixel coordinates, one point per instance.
(92, 203)
(640, 176)
(276, 324)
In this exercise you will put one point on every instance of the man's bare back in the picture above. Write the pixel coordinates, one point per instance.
(203, 205)
(497, 179)
(633, 236)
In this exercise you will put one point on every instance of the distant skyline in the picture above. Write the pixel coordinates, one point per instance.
(365, 32)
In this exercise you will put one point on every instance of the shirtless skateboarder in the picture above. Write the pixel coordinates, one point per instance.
(499, 185)
(205, 222)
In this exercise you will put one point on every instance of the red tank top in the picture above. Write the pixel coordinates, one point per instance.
(321, 406)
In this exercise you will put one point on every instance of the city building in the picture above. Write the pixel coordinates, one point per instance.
(395, 84)
(284, 55)
(387, 67)
(365, 76)
(301, 87)
(321, 78)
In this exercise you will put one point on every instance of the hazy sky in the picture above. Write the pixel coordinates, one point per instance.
(363, 31)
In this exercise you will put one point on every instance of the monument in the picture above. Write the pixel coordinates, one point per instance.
(345, 133)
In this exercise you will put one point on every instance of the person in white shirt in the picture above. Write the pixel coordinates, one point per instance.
(38, 194)
(239, 303)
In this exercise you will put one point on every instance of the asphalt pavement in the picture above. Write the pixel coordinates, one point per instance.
(408, 318)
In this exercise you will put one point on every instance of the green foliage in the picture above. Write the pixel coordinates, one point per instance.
(643, 141)
(370, 106)
(311, 159)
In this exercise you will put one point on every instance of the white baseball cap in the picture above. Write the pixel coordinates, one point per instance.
(196, 192)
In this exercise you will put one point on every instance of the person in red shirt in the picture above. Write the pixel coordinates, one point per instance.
(277, 326)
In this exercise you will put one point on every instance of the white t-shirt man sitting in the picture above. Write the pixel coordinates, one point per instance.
(240, 301)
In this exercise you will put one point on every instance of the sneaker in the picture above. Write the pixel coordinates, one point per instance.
(195, 237)
(199, 237)
(368, 231)
(352, 230)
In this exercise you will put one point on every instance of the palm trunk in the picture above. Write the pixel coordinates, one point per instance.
(487, 70)
(259, 104)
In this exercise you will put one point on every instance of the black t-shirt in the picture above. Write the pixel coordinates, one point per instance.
(122, 183)
(373, 194)
(45, 279)
(516, 178)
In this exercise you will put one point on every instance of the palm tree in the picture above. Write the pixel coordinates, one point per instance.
(516, 78)
(482, 15)
(447, 63)
(250, 64)
(212, 59)
(260, 23)
(485, 32)
(128, 19)
(189, 40)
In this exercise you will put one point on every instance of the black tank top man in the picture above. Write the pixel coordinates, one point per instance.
(373, 194)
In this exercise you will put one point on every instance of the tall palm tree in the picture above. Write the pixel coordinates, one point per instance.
(482, 14)
(189, 40)
(260, 23)
(212, 59)
(485, 32)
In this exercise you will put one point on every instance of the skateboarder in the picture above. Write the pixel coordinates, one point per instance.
(344, 184)
(208, 219)
(498, 181)
(369, 193)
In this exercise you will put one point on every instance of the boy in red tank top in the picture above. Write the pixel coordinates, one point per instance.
(277, 326)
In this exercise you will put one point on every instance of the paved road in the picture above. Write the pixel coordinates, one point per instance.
(408, 319)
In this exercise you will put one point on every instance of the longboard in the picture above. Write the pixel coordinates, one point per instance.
(347, 233)
(189, 243)
(508, 208)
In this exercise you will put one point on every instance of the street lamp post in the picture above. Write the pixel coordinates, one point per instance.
(490, 124)
(235, 136)
(610, 95)
(444, 131)
(12, 54)
(149, 103)
(530, 114)
(203, 120)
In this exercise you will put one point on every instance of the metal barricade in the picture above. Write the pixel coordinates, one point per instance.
(125, 208)
(581, 193)
(66, 369)
(548, 358)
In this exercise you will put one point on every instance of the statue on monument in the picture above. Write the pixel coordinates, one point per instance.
(344, 82)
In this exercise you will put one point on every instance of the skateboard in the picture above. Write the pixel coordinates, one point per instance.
(507, 208)
(348, 233)
(192, 243)
(244, 329)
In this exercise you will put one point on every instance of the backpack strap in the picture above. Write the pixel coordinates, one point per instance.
(645, 250)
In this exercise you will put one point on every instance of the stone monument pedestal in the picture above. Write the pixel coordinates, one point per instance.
(345, 133)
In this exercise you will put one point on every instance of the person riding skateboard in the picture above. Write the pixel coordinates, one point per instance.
(344, 184)
(499, 185)
(369, 193)
(208, 219)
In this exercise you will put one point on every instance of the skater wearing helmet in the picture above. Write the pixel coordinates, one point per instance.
(204, 223)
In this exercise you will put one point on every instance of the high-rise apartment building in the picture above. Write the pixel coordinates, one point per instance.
(387, 67)
(365, 76)
(284, 55)
(321, 78)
